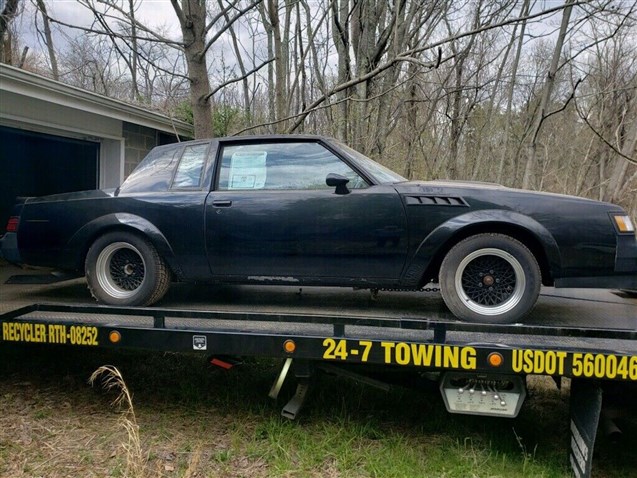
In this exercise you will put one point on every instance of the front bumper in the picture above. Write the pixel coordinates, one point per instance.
(624, 276)
(626, 255)
(628, 281)
(9, 248)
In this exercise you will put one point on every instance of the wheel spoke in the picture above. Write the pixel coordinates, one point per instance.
(120, 269)
(489, 280)
(126, 269)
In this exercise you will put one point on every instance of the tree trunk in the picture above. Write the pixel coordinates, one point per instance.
(192, 19)
(6, 15)
(280, 66)
(244, 82)
(48, 39)
(134, 52)
(341, 38)
(507, 115)
(529, 171)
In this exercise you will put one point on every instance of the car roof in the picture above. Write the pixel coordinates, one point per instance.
(266, 137)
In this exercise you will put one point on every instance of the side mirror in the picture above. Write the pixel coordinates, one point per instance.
(337, 181)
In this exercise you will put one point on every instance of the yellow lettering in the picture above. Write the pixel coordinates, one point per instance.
(561, 356)
(468, 358)
(41, 333)
(451, 357)
(538, 362)
(422, 354)
(437, 354)
(11, 332)
(18, 331)
(388, 346)
(57, 334)
(402, 354)
(528, 361)
(517, 361)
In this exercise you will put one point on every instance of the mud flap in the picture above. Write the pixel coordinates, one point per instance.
(586, 406)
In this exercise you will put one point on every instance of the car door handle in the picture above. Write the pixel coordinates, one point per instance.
(221, 203)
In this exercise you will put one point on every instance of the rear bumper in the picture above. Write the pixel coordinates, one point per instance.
(9, 248)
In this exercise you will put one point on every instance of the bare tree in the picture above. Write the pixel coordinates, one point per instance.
(8, 13)
(470, 89)
(48, 39)
(541, 113)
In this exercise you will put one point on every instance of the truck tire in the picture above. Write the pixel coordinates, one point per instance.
(490, 278)
(125, 269)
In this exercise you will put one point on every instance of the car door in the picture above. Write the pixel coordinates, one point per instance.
(272, 218)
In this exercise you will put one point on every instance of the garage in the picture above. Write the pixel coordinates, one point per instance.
(47, 165)
(57, 138)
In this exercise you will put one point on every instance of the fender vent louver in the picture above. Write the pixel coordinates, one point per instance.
(435, 201)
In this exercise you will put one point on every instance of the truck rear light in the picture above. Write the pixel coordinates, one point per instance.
(12, 224)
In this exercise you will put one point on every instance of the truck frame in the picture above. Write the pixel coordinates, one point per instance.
(482, 368)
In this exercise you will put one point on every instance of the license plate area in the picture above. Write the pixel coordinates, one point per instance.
(483, 394)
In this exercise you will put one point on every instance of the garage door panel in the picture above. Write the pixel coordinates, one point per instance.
(36, 164)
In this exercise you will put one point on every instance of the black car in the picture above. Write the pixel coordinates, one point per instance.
(306, 210)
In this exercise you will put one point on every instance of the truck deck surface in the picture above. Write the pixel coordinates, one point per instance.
(311, 311)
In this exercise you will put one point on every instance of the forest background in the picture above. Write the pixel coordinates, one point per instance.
(526, 93)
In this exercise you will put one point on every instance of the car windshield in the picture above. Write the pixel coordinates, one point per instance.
(380, 173)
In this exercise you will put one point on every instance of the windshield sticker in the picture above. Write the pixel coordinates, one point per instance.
(247, 170)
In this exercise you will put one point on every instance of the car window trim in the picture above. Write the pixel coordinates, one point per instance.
(204, 166)
(222, 144)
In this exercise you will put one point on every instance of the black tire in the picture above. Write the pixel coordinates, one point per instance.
(490, 278)
(125, 269)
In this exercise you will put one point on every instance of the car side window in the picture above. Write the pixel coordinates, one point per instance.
(190, 168)
(303, 165)
(154, 172)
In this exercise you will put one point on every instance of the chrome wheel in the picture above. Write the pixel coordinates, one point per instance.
(490, 281)
(120, 270)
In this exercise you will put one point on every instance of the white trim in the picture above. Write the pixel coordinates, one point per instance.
(46, 127)
(111, 163)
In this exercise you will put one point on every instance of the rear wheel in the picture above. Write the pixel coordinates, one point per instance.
(490, 278)
(125, 269)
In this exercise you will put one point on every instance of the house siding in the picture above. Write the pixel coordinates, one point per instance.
(139, 140)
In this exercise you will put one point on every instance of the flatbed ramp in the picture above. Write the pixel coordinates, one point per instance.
(590, 338)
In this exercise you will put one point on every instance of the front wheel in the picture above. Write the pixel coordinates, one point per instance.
(125, 269)
(490, 278)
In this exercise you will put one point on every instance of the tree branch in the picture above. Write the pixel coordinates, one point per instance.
(601, 137)
(228, 24)
(234, 80)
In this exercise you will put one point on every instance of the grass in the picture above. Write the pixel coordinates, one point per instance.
(180, 417)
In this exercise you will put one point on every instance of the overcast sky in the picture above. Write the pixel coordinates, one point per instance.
(159, 14)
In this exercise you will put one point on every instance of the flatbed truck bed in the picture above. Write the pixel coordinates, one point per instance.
(590, 337)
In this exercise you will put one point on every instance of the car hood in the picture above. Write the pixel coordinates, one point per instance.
(472, 191)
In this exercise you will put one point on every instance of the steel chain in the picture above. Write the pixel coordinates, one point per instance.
(424, 289)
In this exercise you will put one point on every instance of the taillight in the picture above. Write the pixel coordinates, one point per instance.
(12, 224)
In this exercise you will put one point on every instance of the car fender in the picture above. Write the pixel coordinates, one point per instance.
(86, 235)
(443, 237)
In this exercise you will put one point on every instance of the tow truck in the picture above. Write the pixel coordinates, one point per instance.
(588, 336)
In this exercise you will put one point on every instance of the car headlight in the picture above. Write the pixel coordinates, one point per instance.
(623, 223)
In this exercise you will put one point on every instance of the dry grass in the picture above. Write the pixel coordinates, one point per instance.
(44, 433)
(190, 421)
(112, 380)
